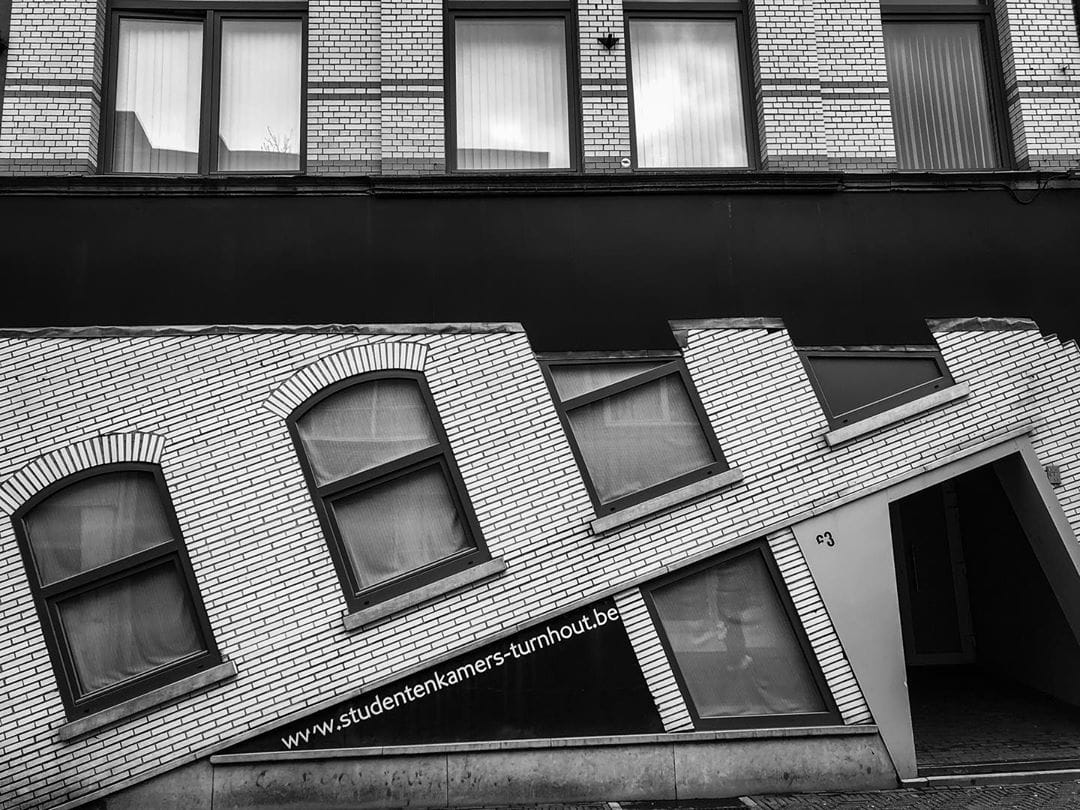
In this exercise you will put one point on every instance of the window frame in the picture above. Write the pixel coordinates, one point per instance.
(831, 715)
(983, 13)
(566, 10)
(47, 598)
(838, 420)
(210, 14)
(322, 496)
(734, 10)
(672, 364)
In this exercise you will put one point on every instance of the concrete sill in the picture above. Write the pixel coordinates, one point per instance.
(553, 742)
(383, 611)
(665, 502)
(143, 703)
(872, 424)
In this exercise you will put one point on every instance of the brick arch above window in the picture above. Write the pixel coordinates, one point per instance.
(112, 448)
(334, 368)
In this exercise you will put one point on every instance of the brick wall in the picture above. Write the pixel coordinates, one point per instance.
(262, 563)
(605, 108)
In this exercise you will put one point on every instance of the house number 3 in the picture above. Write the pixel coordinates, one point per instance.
(827, 539)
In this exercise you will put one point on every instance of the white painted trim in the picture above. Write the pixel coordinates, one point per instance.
(666, 502)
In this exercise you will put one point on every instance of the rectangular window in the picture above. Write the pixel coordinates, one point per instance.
(636, 426)
(736, 645)
(944, 85)
(510, 106)
(205, 90)
(689, 86)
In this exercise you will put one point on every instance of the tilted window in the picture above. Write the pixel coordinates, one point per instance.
(855, 383)
(735, 643)
(689, 85)
(387, 490)
(114, 587)
(945, 84)
(510, 66)
(205, 90)
(636, 426)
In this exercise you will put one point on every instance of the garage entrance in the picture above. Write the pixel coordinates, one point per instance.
(993, 662)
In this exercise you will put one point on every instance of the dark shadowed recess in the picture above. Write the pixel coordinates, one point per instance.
(581, 271)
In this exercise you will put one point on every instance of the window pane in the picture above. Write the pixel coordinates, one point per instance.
(688, 105)
(158, 94)
(364, 426)
(940, 101)
(128, 627)
(512, 108)
(733, 642)
(400, 526)
(574, 380)
(853, 382)
(94, 522)
(260, 95)
(640, 438)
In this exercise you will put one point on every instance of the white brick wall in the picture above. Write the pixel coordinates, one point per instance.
(262, 563)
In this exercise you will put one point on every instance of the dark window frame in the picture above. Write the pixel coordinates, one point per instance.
(210, 14)
(672, 364)
(47, 597)
(831, 715)
(566, 10)
(323, 495)
(837, 420)
(983, 13)
(720, 10)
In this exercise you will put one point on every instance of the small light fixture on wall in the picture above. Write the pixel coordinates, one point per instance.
(608, 42)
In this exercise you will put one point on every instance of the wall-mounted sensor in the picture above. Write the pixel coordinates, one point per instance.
(608, 42)
(625, 163)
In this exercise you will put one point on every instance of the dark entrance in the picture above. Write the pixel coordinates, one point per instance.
(993, 664)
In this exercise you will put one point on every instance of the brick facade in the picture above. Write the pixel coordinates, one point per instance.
(214, 402)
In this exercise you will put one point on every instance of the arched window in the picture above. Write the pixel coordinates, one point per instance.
(386, 487)
(113, 585)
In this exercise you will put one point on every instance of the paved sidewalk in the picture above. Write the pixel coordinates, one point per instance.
(1029, 796)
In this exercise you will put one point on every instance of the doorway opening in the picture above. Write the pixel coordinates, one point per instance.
(993, 661)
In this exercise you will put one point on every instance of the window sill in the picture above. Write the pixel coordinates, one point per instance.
(665, 502)
(138, 705)
(872, 424)
(384, 611)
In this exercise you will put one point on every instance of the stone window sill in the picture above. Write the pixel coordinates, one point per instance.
(872, 424)
(383, 611)
(665, 502)
(143, 703)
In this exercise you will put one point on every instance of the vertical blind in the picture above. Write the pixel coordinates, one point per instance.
(260, 95)
(158, 96)
(733, 643)
(512, 102)
(940, 98)
(688, 104)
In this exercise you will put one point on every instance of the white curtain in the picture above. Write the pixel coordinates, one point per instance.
(639, 438)
(128, 627)
(158, 97)
(579, 379)
(733, 642)
(688, 95)
(364, 426)
(512, 101)
(940, 101)
(260, 95)
(400, 526)
(94, 522)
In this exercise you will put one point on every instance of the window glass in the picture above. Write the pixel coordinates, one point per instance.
(940, 99)
(512, 104)
(584, 378)
(364, 426)
(640, 438)
(129, 627)
(260, 95)
(158, 97)
(857, 384)
(400, 526)
(733, 642)
(688, 93)
(94, 522)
